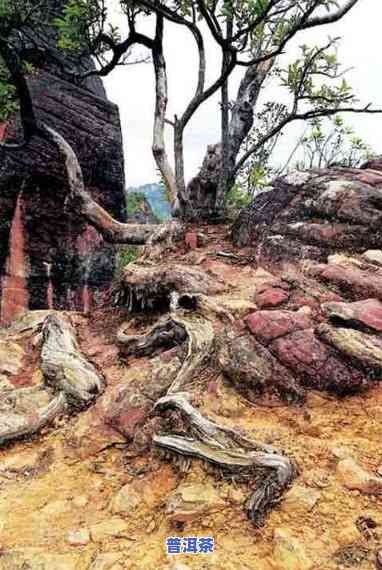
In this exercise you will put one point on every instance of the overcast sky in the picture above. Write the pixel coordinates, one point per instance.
(132, 88)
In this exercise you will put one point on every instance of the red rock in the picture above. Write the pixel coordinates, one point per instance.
(191, 240)
(126, 423)
(168, 355)
(62, 254)
(374, 164)
(310, 215)
(254, 370)
(367, 312)
(271, 297)
(355, 282)
(269, 325)
(315, 362)
(3, 130)
(15, 296)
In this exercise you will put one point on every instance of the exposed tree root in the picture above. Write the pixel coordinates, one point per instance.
(26, 411)
(162, 336)
(70, 380)
(182, 327)
(162, 240)
(200, 338)
(190, 324)
(229, 450)
(63, 365)
(147, 288)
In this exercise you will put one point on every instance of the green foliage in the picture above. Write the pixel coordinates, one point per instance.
(73, 25)
(332, 142)
(238, 197)
(133, 202)
(8, 102)
(315, 78)
(125, 254)
(8, 97)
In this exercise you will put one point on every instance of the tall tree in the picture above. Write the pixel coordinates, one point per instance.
(250, 35)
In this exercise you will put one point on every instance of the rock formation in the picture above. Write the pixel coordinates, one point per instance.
(49, 258)
(313, 214)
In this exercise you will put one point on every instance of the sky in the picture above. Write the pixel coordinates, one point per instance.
(132, 89)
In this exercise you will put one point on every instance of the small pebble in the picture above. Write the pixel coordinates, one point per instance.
(79, 537)
(151, 526)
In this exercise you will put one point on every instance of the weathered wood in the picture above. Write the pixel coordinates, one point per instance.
(228, 449)
(26, 411)
(63, 365)
(161, 336)
(112, 230)
(146, 288)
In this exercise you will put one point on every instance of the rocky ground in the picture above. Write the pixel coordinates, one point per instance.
(86, 493)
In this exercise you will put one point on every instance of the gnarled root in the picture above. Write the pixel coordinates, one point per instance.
(163, 336)
(231, 451)
(183, 327)
(161, 240)
(64, 366)
(147, 288)
(26, 411)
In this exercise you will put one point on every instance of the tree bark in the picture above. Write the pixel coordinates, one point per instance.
(159, 148)
(206, 192)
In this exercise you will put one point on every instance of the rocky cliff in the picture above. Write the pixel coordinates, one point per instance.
(48, 256)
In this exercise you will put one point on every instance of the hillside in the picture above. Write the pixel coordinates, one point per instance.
(155, 195)
(275, 453)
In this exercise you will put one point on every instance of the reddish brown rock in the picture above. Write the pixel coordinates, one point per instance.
(66, 264)
(15, 295)
(355, 282)
(367, 312)
(191, 240)
(374, 164)
(272, 297)
(269, 325)
(317, 364)
(309, 215)
(254, 371)
(126, 410)
(327, 235)
(365, 349)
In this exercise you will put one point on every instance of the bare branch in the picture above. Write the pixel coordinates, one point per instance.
(300, 117)
(330, 18)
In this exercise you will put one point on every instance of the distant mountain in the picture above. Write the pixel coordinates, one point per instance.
(156, 196)
(139, 210)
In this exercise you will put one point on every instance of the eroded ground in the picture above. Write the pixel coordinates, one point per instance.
(76, 497)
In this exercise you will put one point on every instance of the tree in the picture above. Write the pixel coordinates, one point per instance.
(250, 35)
(337, 146)
(325, 142)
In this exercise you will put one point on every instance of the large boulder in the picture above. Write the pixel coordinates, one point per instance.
(308, 215)
(48, 256)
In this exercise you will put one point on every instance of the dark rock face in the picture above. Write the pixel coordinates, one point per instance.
(374, 163)
(61, 261)
(308, 215)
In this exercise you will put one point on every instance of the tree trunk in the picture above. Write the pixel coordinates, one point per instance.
(179, 165)
(112, 230)
(225, 173)
(158, 148)
(207, 190)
